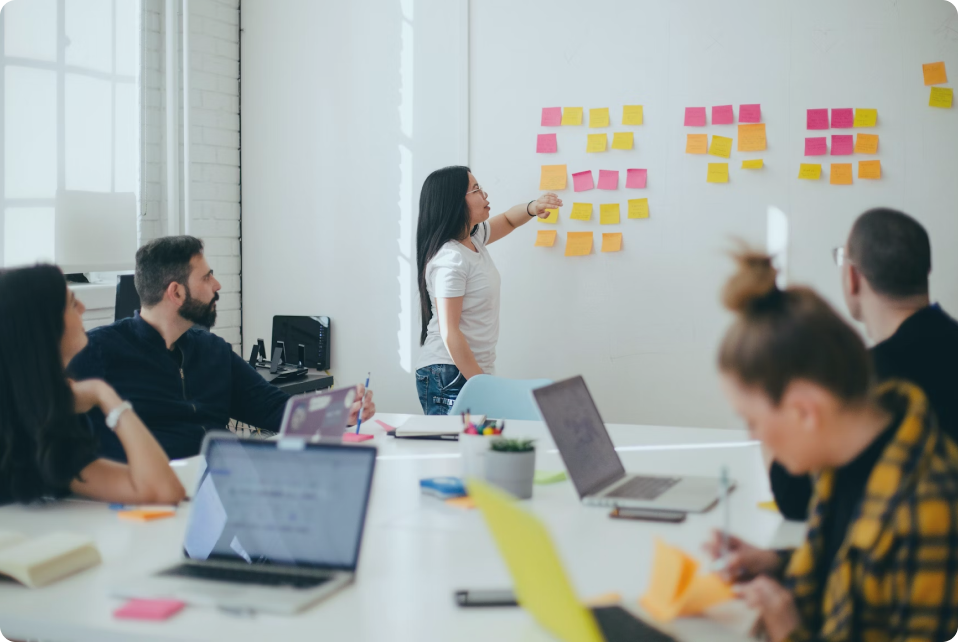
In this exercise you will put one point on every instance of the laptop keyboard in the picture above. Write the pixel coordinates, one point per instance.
(243, 576)
(644, 487)
(618, 625)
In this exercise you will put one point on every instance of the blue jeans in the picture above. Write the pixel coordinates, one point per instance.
(438, 386)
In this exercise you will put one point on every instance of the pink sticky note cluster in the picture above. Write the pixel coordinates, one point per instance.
(608, 179)
(749, 113)
(695, 116)
(816, 146)
(551, 116)
(546, 144)
(723, 115)
(582, 181)
(843, 118)
(817, 119)
(636, 178)
(843, 145)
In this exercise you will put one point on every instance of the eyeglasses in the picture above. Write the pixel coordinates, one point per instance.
(838, 255)
(478, 189)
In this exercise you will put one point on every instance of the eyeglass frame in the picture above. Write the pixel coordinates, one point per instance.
(485, 194)
(839, 256)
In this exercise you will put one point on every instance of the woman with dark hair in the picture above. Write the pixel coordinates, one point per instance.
(46, 449)
(458, 282)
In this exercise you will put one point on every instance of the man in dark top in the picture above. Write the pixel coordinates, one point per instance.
(182, 380)
(885, 266)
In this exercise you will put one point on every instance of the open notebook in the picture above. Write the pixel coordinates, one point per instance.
(43, 560)
(435, 426)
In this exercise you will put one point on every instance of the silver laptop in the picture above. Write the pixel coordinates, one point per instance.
(275, 526)
(595, 467)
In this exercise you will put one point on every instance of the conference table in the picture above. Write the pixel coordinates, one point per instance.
(416, 551)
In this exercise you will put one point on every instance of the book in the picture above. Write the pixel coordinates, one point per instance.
(40, 561)
(435, 426)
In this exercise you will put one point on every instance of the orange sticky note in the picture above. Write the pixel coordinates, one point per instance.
(869, 169)
(810, 172)
(675, 589)
(697, 144)
(553, 177)
(866, 144)
(612, 242)
(840, 174)
(704, 592)
(145, 514)
(578, 244)
(609, 214)
(464, 503)
(935, 73)
(751, 138)
(546, 238)
(638, 208)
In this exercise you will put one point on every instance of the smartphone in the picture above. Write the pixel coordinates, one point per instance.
(649, 514)
(495, 597)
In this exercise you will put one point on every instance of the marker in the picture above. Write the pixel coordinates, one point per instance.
(361, 403)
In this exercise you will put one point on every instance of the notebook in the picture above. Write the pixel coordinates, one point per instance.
(43, 560)
(435, 427)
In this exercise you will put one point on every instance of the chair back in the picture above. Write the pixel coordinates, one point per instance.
(499, 398)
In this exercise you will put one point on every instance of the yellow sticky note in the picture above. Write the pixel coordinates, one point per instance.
(866, 117)
(622, 140)
(632, 115)
(869, 169)
(758, 163)
(840, 174)
(718, 173)
(751, 138)
(552, 218)
(553, 177)
(571, 115)
(941, 97)
(639, 208)
(934, 73)
(597, 142)
(599, 117)
(609, 214)
(612, 242)
(581, 211)
(697, 144)
(546, 238)
(578, 243)
(810, 172)
(866, 144)
(769, 505)
(721, 146)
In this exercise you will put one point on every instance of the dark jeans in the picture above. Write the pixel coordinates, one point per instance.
(438, 386)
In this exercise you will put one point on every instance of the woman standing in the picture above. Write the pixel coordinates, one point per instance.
(458, 282)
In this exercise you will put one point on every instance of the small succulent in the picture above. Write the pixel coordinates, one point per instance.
(512, 445)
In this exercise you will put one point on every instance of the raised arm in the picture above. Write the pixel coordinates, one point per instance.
(450, 311)
(503, 224)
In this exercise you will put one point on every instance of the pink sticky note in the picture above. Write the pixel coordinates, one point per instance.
(582, 181)
(723, 115)
(843, 145)
(551, 116)
(385, 426)
(608, 179)
(355, 438)
(695, 116)
(636, 178)
(149, 609)
(546, 144)
(818, 119)
(816, 146)
(749, 113)
(843, 118)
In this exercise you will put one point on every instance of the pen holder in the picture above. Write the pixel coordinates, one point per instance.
(511, 471)
(474, 449)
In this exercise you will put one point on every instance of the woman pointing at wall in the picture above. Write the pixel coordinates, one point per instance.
(459, 283)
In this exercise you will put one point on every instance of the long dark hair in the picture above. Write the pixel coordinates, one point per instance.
(40, 434)
(443, 217)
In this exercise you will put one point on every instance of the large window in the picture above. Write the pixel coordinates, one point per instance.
(69, 113)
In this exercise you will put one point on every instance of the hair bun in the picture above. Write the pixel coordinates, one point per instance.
(753, 282)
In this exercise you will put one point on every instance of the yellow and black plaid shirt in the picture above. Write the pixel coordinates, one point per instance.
(895, 576)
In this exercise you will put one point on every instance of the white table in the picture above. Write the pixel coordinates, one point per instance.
(416, 550)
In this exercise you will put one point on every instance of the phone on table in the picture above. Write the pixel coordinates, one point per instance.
(648, 514)
(494, 597)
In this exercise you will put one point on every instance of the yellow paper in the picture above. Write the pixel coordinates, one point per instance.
(546, 238)
(571, 115)
(697, 144)
(675, 589)
(609, 214)
(639, 208)
(718, 173)
(866, 117)
(599, 117)
(597, 143)
(840, 174)
(753, 164)
(869, 169)
(552, 218)
(612, 242)
(751, 138)
(810, 172)
(866, 144)
(934, 73)
(578, 243)
(622, 140)
(721, 146)
(769, 505)
(632, 115)
(941, 97)
(581, 212)
(553, 177)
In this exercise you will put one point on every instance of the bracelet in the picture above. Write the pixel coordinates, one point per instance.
(527, 207)
(113, 418)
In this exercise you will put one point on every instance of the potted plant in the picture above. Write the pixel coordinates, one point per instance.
(511, 464)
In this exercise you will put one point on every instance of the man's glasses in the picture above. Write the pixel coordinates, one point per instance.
(838, 255)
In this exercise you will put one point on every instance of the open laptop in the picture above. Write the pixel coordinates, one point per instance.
(595, 467)
(275, 526)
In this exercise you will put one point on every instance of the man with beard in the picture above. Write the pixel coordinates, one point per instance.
(182, 380)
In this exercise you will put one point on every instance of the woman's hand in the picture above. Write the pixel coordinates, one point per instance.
(744, 560)
(779, 614)
(547, 201)
(93, 393)
(368, 406)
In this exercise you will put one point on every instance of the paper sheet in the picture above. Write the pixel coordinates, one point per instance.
(546, 238)
(581, 212)
(599, 117)
(941, 97)
(866, 117)
(553, 177)
(582, 181)
(869, 169)
(843, 144)
(697, 144)
(572, 116)
(817, 119)
(632, 115)
(843, 118)
(638, 208)
(718, 173)
(551, 116)
(546, 144)
(866, 144)
(751, 138)
(757, 163)
(552, 218)
(636, 178)
(609, 214)
(723, 115)
(578, 244)
(840, 174)
(675, 589)
(608, 179)
(695, 116)
(721, 146)
(816, 146)
(597, 143)
(612, 242)
(622, 140)
(934, 73)
(810, 172)
(750, 113)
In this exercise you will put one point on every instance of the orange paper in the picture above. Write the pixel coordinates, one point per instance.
(866, 144)
(751, 138)
(697, 144)
(869, 169)
(546, 238)
(464, 503)
(841, 174)
(578, 244)
(145, 514)
(935, 73)
(675, 589)
(553, 177)
(612, 242)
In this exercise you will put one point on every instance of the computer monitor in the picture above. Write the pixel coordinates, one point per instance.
(127, 299)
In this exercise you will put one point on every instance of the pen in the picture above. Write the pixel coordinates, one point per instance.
(361, 403)
(723, 481)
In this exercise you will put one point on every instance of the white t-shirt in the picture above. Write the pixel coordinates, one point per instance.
(458, 271)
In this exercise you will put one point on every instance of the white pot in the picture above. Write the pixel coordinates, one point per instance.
(511, 471)
(474, 449)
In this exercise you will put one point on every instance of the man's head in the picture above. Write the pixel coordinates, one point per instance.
(887, 256)
(172, 272)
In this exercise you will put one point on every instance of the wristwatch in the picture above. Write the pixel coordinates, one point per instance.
(113, 418)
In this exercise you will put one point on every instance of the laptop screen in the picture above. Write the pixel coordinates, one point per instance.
(583, 441)
(266, 502)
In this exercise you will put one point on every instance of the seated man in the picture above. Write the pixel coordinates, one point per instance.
(885, 267)
(182, 379)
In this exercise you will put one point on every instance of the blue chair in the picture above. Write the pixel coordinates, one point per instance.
(499, 398)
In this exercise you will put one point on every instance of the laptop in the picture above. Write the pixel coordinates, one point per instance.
(275, 526)
(541, 585)
(595, 467)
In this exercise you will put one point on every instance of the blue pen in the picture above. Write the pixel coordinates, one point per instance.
(362, 401)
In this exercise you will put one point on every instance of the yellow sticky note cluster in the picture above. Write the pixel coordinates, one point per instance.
(810, 172)
(571, 115)
(578, 244)
(581, 212)
(622, 140)
(553, 177)
(546, 238)
(599, 117)
(632, 115)
(941, 97)
(597, 143)
(675, 588)
(639, 208)
(718, 173)
(609, 214)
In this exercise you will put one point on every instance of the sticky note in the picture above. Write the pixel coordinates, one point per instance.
(612, 242)
(578, 243)
(866, 144)
(597, 143)
(817, 119)
(551, 116)
(145, 514)
(609, 214)
(941, 97)
(549, 476)
(869, 169)
(769, 505)
(462, 503)
(843, 144)
(721, 146)
(622, 140)
(581, 212)
(840, 174)
(697, 144)
(608, 179)
(723, 115)
(816, 146)
(636, 178)
(753, 164)
(632, 115)
(639, 208)
(718, 173)
(546, 144)
(843, 118)
(154, 610)
(695, 116)
(553, 177)
(676, 589)
(809, 172)
(552, 218)
(934, 73)
(866, 117)
(572, 116)
(749, 113)
(599, 117)
(751, 138)
(546, 238)
(582, 181)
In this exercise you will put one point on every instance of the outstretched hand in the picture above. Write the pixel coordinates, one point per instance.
(547, 201)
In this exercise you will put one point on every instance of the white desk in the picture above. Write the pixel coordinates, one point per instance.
(416, 550)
